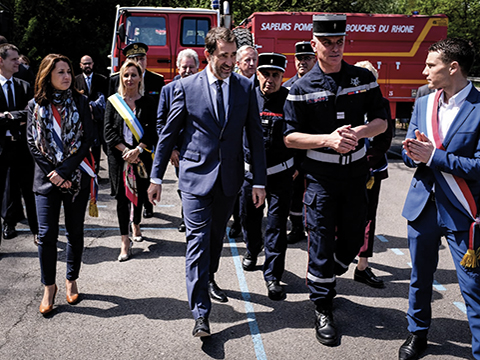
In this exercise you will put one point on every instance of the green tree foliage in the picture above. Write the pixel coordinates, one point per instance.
(78, 27)
(462, 15)
(72, 28)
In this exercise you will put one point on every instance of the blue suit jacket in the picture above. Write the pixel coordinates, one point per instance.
(208, 150)
(166, 97)
(461, 157)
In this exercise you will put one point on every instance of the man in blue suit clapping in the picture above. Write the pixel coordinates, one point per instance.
(443, 145)
(211, 109)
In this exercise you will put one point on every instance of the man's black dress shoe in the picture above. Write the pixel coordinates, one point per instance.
(368, 277)
(296, 235)
(325, 329)
(249, 261)
(412, 348)
(215, 292)
(235, 230)
(182, 227)
(275, 290)
(147, 214)
(201, 328)
(9, 231)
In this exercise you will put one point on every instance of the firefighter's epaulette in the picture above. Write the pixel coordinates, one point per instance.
(154, 73)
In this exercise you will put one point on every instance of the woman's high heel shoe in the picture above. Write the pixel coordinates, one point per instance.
(125, 257)
(73, 299)
(136, 238)
(44, 310)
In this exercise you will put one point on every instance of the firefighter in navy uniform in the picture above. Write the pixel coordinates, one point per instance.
(280, 170)
(304, 61)
(325, 114)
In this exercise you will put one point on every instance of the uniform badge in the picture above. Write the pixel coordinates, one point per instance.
(355, 81)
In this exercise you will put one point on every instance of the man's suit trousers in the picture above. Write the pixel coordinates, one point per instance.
(206, 219)
(424, 240)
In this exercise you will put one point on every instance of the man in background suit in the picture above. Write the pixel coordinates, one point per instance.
(443, 144)
(153, 84)
(423, 90)
(24, 72)
(211, 109)
(94, 86)
(187, 64)
(16, 164)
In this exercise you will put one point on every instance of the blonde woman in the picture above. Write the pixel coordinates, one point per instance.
(129, 133)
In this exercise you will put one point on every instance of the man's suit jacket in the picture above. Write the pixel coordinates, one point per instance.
(153, 84)
(423, 90)
(23, 93)
(99, 84)
(166, 97)
(461, 157)
(208, 150)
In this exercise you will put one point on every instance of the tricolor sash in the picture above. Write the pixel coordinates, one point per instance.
(127, 114)
(87, 166)
(130, 182)
(456, 185)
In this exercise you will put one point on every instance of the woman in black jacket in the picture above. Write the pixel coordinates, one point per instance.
(59, 135)
(130, 133)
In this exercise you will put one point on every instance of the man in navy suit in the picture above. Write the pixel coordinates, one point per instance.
(211, 109)
(443, 144)
(16, 163)
(94, 86)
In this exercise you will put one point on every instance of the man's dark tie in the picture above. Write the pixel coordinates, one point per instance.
(11, 102)
(220, 105)
(89, 83)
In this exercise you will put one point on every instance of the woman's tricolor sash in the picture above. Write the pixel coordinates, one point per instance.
(455, 184)
(87, 165)
(127, 114)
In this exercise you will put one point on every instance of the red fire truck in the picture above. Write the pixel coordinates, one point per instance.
(396, 44)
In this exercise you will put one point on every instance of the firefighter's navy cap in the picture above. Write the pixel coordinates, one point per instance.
(304, 48)
(329, 25)
(272, 61)
(135, 49)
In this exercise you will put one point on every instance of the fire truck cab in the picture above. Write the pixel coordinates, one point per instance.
(166, 31)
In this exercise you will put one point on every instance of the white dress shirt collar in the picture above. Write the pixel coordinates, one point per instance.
(448, 112)
(212, 78)
(457, 99)
(3, 80)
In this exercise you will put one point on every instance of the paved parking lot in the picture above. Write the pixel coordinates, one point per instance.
(138, 309)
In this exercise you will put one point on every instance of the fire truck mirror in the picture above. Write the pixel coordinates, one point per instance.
(121, 34)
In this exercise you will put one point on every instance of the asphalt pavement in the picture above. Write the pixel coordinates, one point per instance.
(138, 309)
